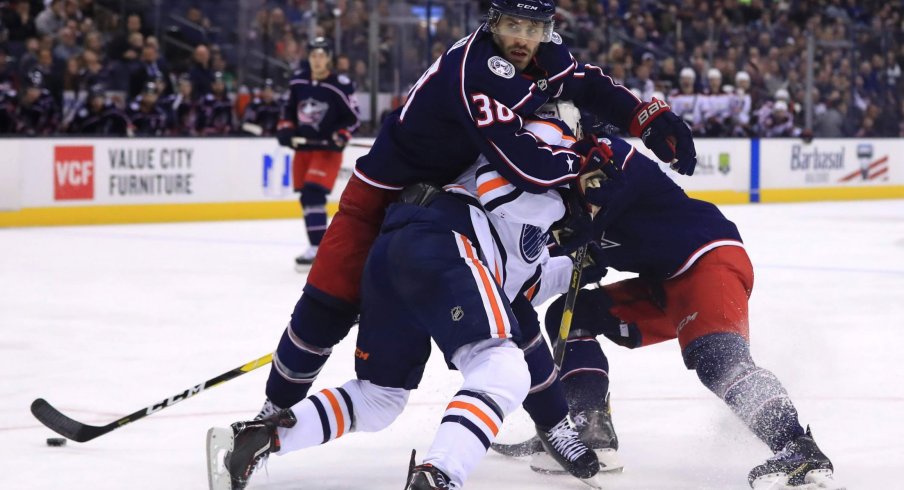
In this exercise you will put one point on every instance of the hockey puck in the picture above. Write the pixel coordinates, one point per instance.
(56, 441)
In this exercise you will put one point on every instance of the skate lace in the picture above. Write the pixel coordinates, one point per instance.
(267, 410)
(580, 420)
(566, 441)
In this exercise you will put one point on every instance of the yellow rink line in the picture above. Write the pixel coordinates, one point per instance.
(152, 213)
(832, 194)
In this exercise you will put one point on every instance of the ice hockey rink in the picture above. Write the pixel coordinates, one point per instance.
(104, 320)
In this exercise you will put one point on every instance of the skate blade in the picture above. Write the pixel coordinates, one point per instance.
(814, 480)
(543, 463)
(609, 461)
(303, 268)
(219, 442)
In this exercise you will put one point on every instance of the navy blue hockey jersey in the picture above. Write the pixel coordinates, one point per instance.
(318, 108)
(471, 102)
(652, 227)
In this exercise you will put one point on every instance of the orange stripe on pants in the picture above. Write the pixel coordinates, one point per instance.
(488, 286)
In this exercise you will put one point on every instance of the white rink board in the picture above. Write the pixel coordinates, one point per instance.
(113, 171)
(722, 165)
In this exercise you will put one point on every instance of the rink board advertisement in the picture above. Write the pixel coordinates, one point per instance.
(791, 170)
(69, 181)
(722, 174)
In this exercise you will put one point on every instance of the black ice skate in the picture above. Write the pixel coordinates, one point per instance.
(799, 464)
(234, 453)
(267, 410)
(596, 430)
(563, 449)
(426, 477)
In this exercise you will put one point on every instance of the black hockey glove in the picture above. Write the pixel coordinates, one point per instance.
(341, 138)
(596, 264)
(575, 228)
(666, 134)
(284, 136)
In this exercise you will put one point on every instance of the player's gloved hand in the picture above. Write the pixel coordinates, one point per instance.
(595, 265)
(342, 137)
(553, 59)
(666, 134)
(284, 136)
(600, 178)
(575, 228)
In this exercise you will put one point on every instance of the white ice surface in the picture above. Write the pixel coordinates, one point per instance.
(104, 320)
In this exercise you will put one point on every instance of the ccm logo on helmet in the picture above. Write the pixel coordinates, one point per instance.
(526, 6)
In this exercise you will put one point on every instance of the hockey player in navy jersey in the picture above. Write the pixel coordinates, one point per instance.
(322, 111)
(215, 112)
(447, 266)
(694, 282)
(264, 111)
(469, 102)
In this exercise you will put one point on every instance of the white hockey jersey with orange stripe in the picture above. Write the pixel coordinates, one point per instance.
(513, 229)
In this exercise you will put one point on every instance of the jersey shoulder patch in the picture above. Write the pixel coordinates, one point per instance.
(556, 38)
(501, 67)
(343, 79)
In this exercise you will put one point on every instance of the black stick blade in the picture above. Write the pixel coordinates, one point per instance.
(63, 425)
(520, 449)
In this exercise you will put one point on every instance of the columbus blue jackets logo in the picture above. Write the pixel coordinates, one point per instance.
(501, 67)
(556, 38)
(533, 241)
(311, 112)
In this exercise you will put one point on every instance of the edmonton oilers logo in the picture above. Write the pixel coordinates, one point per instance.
(533, 240)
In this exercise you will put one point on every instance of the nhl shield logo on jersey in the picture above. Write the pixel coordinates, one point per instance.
(457, 313)
(541, 84)
(311, 112)
(501, 67)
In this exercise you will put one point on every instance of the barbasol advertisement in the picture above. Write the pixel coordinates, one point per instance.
(830, 163)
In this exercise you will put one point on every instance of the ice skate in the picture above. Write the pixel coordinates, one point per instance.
(426, 477)
(304, 261)
(267, 410)
(800, 465)
(596, 430)
(564, 452)
(234, 453)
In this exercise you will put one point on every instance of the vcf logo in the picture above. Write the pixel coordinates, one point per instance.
(73, 172)
(277, 173)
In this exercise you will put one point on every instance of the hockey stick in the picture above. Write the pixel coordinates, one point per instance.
(79, 432)
(298, 141)
(558, 352)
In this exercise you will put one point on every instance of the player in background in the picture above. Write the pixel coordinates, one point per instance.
(468, 103)
(696, 289)
(444, 267)
(38, 113)
(263, 112)
(147, 116)
(215, 110)
(99, 117)
(321, 110)
(181, 108)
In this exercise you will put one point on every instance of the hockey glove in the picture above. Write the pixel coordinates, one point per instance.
(595, 266)
(341, 138)
(284, 136)
(666, 134)
(575, 228)
(600, 177)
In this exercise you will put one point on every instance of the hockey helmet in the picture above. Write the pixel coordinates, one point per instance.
(320, 42)
(565, 111)
(35, 79)
(521, 16)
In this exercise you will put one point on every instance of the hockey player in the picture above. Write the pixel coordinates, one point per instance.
(38, 113)
(263, 112)
(321, 109)
(215, 110)
(146, 115)
(444, 266)
(467, 103)
(99, 117)
(182, 109)
(696, 290)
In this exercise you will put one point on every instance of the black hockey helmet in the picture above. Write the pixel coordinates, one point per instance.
(541, 11)
(320, 42)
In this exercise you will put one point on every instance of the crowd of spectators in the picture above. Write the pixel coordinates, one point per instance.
(728, 67)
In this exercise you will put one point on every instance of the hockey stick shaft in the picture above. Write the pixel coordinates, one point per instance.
(558, 353)
(79, 432)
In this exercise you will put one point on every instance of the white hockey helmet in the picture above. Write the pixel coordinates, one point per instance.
(565, 111)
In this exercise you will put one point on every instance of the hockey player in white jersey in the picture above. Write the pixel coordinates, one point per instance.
(450, 266)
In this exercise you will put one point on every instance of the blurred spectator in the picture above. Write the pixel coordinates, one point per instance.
(18, 21)
(263, 112)
(829, 123)
(121, 43)
(8, 79)
(67, 47)
(148, 70)
(182, 108)
(51, 19)
(200, 73)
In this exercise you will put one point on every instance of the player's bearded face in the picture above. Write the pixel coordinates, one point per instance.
(518, 39)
